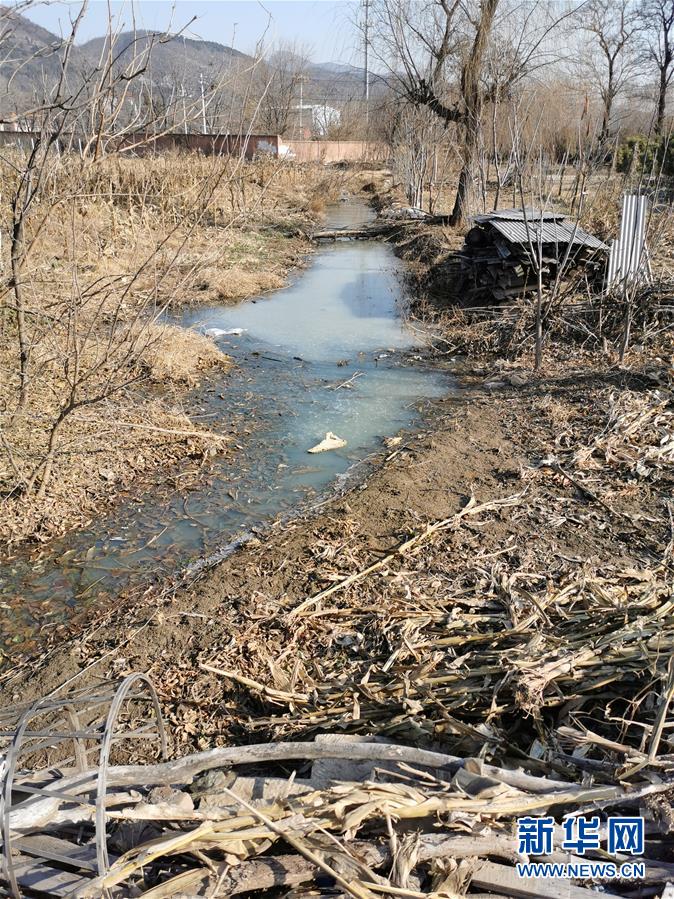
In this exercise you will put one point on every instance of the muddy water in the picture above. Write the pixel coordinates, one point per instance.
(331, 352)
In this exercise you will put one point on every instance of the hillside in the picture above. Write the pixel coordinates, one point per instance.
(29, 59)
(174, 58)
(30, 64)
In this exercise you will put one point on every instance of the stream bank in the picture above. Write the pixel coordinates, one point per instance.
(131, 418)
(539, 531)
(515, 512)
(331, 352)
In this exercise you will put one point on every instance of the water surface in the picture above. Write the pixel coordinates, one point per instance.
(328, 353)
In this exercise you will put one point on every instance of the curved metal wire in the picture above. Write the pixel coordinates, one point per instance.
(108, 736)
(53, 724)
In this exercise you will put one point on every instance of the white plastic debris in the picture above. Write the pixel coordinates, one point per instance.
(398, 213)
(220, 332)
(330, 442)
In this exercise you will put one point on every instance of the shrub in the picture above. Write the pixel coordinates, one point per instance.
(640, 154)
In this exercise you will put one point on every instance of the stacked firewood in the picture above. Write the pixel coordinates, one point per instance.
(505, 250)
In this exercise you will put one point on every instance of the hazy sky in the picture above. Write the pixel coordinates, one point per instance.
(325, 26)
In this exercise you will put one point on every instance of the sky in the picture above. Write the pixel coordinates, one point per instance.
(325, 27)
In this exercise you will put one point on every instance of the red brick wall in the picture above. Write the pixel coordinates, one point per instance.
(208, 144)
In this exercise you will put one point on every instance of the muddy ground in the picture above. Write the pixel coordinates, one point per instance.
(574, 495)
(499, 582)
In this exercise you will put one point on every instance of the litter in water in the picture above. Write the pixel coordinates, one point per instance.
(330, 442)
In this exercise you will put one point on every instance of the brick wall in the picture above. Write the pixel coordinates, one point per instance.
(324, 151)
(337, 151)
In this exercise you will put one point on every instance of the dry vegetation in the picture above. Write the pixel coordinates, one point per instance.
(576, 315)
(486, 622)
(113, 246)
(515, 619)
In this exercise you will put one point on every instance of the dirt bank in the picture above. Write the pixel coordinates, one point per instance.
(500, 584)
(551, 492)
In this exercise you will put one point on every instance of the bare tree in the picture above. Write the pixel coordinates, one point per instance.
(435, 52)
(453, 57)
(84, 339)
(658, 19)
(610, 59)
(279, 76)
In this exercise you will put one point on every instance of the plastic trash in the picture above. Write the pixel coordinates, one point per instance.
(330, 442)
(221, 332)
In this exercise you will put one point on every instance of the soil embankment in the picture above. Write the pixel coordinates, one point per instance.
(503, 579)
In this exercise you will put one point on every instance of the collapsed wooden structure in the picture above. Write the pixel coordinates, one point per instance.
(504, 250)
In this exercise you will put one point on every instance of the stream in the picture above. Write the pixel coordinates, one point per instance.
(330, 352)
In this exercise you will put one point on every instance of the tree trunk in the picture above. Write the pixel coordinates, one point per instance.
(51, 451)
(662, 103)
(472, 118)
(606, 120)
(16, 256)
(464, 190)
(608, 106)
(538, 343)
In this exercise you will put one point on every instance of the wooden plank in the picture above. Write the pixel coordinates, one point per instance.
(54, 849)
(40, 878)
(366, 232)
(504, 880)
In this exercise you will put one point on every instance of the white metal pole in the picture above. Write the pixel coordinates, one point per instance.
(367, 72)
(203, 103)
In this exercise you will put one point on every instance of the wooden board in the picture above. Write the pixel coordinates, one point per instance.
(53, 849)
(39, 877)
(503, 880)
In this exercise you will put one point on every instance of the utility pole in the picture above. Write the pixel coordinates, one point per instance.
(203, 103)
(302, 79)
(182, 93)
(301, 103)
(366, 32)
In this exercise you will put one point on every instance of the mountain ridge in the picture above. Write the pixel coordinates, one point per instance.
(29, 61)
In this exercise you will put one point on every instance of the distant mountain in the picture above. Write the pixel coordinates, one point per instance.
(341, 81)
(326, 69)
(173, 58)
(30, 65)
(29, 61)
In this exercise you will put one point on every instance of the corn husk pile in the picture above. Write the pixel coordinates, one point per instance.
(355, 817)
(545, 658)
(441, 689)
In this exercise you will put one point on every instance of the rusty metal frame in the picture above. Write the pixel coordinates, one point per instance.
(64, 726)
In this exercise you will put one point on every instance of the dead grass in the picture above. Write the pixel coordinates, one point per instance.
(238, 283)
(114, 244)
(179, 355)
(104, 450)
